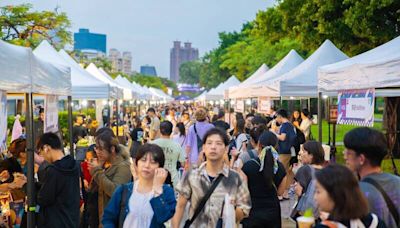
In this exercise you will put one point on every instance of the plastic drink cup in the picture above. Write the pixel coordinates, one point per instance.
(305, 222)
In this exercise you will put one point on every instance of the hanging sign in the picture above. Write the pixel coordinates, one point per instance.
(3, 119)
(356, 107)
(51, 114)
(264, 105)
(333, 114)
(239, 106)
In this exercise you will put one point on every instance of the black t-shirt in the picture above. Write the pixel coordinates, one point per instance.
(221, 125)
(12, 165)
(263, 195)
(78, 131)
(137, 134)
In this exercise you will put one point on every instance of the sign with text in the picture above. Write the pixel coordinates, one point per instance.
(51, 114)
(264, 105)
(356, 107)
(3, 119)
(239, 107)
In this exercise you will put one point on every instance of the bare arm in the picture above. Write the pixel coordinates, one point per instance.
(239, 215)
(180, 208)
(281, 137)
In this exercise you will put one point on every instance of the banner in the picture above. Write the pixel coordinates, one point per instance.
(356, 107)
(51, 114)
(239, 107)
(264, 105)
(3, 120)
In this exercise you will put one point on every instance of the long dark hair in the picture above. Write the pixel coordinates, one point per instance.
(343, 188)
(181, 128)
(268, 139)
(239, 128)
(316, 150)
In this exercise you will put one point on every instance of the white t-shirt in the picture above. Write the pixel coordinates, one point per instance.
(173, 153)
(305, 127)
(140, 211)
(240, 139)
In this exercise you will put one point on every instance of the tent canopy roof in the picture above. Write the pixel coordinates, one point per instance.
(376, 68)
(302, 81)
(22, 71)
(84, 85)
(290, 61)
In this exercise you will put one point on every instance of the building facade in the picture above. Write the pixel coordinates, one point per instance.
(120, 62)
(181, 54)
(85, 40)
(148, 70)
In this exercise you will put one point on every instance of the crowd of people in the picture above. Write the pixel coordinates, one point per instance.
(185, 166)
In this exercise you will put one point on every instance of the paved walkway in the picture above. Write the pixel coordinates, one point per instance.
(286, 209)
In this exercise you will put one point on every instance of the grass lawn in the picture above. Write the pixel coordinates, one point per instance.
(341, 130)
(386, 164)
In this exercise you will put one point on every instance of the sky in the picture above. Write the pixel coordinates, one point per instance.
(147, 28)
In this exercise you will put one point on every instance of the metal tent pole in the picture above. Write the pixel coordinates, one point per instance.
(71, 140)
(319, 117)
(30, 160)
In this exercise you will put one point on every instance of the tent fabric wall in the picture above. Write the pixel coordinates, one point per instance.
(302, 80)
(22, 71)
(256, 89)
(48, 78)
(376, 68)
(127, 93)
(15, 68)
(84, 85)
(115, 92)
(219, 92)
(235, 91)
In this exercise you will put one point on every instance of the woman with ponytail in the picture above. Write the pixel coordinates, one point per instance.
(265, 175)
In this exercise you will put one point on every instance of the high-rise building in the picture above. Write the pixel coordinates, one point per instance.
(148, 70)
(120, 63)
(179, 55)
(85, 40)
(126, 62)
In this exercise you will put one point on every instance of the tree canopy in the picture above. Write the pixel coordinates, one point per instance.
(354, 26)
(22, 26)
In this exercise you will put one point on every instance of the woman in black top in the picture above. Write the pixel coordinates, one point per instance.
(265, 175)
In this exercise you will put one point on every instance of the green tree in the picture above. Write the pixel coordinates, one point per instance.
(155, 82)
(22, 26)
(189, 72)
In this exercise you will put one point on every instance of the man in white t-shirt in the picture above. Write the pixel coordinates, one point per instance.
(173, 151)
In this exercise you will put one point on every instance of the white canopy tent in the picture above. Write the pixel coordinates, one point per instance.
(256, 89)
(376, 68)
(115, 89)
(127, 94)
(302, 80)
(138, 91)
(218, 92)
(84, 85)
(21, 71)
(236, 90)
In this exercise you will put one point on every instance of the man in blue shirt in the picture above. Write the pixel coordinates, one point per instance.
(286, 135)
